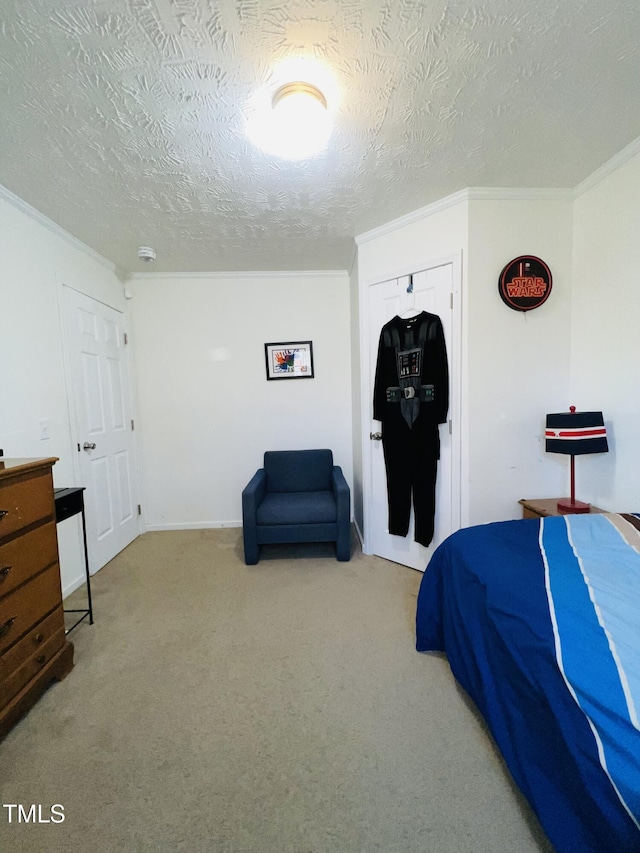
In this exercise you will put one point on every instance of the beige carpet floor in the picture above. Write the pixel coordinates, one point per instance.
(277, 708)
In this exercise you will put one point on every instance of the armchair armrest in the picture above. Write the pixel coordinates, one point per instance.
(252, 495)
(341, 492)
(343, 510)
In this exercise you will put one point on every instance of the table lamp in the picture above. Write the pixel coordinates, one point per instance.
(575, 433)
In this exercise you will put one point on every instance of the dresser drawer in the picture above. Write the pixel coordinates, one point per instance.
(27, 555)
(25, 606)
(26, 658)
(25, 501)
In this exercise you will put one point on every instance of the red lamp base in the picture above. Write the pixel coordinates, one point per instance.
(566, 506)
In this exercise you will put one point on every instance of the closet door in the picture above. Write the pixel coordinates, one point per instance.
(433, 291)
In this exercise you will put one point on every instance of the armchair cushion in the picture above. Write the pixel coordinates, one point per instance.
(297, 508)
(298, 470)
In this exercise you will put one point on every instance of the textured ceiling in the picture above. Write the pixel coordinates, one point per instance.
(123, 121)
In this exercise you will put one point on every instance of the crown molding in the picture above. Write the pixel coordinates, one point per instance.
(519, 194)
(151, 276)
(466, 195)
(608, 168)
(414, 216)
(21, 205)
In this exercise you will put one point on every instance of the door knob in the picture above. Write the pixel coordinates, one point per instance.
(88, 445)
(375, 436)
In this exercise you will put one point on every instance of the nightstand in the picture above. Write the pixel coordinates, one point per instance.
(544, 507)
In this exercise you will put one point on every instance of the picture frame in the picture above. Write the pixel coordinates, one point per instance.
(289, 360)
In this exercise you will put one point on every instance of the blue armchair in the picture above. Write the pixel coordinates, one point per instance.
(299, 496)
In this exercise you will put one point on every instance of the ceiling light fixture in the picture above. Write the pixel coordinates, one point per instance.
(298, 124)
(299, 90)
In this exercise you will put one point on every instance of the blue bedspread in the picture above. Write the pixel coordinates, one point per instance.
(540, 621)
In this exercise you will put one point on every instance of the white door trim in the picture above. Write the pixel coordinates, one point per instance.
(455, 372)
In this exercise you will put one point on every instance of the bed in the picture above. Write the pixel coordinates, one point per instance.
(540, 622)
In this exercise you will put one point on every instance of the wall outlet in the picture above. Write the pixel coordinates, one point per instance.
(44, 429)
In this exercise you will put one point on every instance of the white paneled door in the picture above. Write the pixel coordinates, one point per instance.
(101, 405)
(433, 291)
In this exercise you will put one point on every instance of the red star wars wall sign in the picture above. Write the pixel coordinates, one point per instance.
(525, 283)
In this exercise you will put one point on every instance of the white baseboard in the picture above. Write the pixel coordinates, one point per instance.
(193, 525)
(74, 585)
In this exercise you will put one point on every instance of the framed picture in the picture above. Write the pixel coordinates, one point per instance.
(289, 360)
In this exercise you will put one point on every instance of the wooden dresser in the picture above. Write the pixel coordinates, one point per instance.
(33, 647)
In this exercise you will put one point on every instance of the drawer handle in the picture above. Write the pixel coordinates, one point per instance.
(4, 629)
(42, 659)
(39, 638)
(3, 512)
(4, 571)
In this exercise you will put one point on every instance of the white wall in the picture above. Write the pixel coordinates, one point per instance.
(605, 350)
(206, 410)
(518, 362)
(37, 258)
(435, 232)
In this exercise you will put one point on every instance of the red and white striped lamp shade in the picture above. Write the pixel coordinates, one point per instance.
(576, 433)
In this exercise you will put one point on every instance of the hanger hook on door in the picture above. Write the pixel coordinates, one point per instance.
(410, 285)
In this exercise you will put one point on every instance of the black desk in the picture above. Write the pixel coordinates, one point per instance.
(71, 502)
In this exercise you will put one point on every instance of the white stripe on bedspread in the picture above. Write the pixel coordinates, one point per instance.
(593, 588)
(611, 570)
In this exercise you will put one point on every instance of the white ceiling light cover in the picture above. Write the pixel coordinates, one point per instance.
(292, 119)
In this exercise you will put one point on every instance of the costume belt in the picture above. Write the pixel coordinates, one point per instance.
(424, 393)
